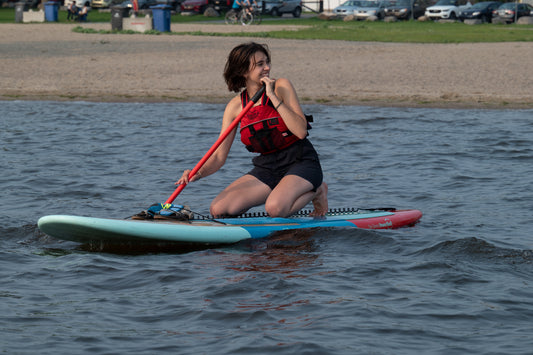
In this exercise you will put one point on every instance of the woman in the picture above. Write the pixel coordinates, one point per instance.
(82, 15)
(287, 174)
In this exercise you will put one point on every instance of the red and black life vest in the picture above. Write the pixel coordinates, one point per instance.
(262, 128)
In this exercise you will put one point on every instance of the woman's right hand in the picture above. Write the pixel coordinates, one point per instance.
(184, 179)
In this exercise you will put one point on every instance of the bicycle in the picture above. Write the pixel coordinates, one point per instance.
(245, 16)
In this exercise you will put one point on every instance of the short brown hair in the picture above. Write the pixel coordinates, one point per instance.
(238, 64)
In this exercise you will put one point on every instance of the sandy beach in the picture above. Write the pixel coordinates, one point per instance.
(50, 62)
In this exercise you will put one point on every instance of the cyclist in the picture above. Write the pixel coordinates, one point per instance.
(249, 7)
(237, 5)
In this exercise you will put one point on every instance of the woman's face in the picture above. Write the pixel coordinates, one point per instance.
(259, 67)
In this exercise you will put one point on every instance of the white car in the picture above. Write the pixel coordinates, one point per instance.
(80, 3)
(101, 3)
(446, 9)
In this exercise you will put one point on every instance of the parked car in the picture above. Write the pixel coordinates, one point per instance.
(406, 9)
(446, 9)
(347, 8)
(371, 8)
(80, 3)
(104, 3)
(511, 11)
(143, 4)
(480, 11)
(222, 5)
(280, 7)
(174, 4)
(101, 3)
(194, 6)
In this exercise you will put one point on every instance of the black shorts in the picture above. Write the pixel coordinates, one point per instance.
(300, 159)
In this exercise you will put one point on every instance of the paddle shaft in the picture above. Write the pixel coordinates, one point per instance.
(219, 141)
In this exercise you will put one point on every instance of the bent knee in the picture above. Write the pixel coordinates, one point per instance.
(276, 210)
(219, 210)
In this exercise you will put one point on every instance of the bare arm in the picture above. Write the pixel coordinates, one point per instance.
(286, 102)
(217, 160)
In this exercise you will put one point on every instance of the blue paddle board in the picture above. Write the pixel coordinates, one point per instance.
(206, 231)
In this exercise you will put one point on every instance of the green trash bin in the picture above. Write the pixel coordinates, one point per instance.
(51, 9)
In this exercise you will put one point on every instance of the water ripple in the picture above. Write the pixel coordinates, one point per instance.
(458, 282)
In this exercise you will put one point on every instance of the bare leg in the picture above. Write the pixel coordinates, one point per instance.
(292, 194)
(241, 195)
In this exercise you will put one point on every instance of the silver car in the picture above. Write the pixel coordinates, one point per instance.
(347, 8)
(371, 8)
(280, 7)
(508, 12)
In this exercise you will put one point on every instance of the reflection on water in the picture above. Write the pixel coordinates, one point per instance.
(283, 253)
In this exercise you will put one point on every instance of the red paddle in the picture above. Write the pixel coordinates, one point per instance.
(219, 141)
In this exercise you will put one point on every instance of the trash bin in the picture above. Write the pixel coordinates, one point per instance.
(117, 14)
(161, 14)
(20, 7)
(51, 9)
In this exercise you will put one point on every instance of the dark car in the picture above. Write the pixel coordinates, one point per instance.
(480, 11)
(143, 4)
(406, 9)
(194, 6)
(222, 5)
(510, 11)
(174, 4)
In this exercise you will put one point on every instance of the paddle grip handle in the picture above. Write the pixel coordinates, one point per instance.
(218, 142)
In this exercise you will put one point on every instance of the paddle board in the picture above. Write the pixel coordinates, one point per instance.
(207, 231)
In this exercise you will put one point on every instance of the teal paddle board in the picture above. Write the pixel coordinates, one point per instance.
(208, 231)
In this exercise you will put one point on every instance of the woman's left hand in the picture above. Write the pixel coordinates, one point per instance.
(269, 86)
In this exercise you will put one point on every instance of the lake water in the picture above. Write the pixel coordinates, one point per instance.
(459, 282)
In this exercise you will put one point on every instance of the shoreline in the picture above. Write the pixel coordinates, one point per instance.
(392, 102)
(50, 62)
